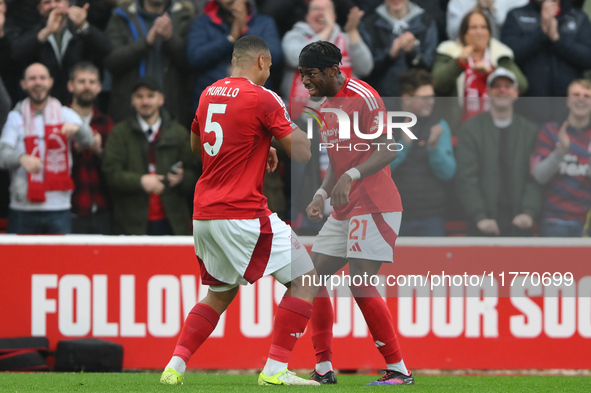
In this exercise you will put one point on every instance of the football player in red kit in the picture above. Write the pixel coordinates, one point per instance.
(367, 207)
(237, 238)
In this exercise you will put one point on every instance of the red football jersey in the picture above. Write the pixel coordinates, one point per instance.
(373, 194)
(236, 121)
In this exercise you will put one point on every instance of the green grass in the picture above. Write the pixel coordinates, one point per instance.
(221, 383)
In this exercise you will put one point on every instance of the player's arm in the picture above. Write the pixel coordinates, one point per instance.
(330, 179)
(316, 208)
(297, 146)
(196, 144)
(380, 157)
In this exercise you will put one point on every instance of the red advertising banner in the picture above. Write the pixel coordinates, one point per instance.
(457, 303)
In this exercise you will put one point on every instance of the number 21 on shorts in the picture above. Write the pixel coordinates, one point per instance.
(354, 224)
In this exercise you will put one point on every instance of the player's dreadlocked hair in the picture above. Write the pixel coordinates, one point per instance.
(321, 55)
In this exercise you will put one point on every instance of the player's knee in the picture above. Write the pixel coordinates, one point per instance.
(364, 268)
(306, 285)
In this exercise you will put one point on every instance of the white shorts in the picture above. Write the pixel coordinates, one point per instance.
(238, 252)
(368, 236)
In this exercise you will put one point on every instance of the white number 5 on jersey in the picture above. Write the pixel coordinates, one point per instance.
(215, 127)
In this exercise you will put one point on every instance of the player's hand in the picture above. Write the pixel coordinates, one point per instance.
(57, 20)
(69, 129)
(177, 177)
(434, 136)
(466, 53)
(152, 183)
(78, 15)
(523, 221)
(315, 209)
(353, 19)
(563, 138)
(488, 227)
(272, 160)
(32, 164)
(340, 193)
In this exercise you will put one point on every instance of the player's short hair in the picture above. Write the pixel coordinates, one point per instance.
(249, 46)
(585, 83)
(84, 66)
(465, 24)
(321, 55)
(412, 79)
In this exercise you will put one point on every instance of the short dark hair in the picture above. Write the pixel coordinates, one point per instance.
(412, 79)
(84, 66)
(148, 83)
(327, 54)
(249, 45)
(466, 23)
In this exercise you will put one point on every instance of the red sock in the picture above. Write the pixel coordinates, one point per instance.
(321, 323)
(379, 321)
(290, 322)
(200, 323)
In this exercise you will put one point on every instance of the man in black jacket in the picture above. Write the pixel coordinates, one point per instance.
(62, 39)
(551, 41)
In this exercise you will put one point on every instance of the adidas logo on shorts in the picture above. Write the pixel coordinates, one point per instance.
(355, 247)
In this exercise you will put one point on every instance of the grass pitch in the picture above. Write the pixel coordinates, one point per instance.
(223, 383)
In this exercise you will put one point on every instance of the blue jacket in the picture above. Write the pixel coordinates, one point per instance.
(209, 51)
(549, 66)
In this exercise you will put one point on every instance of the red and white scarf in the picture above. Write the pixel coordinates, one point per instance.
(475, 95)
(55, 175)
(299, 96)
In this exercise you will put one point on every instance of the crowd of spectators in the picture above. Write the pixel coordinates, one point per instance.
(124, 78)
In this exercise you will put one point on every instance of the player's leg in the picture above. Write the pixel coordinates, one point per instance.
(291, 318)
(322, 320)
(380, 323)
(198, 326)
(370, 245)
(329, 256)
(203, 318)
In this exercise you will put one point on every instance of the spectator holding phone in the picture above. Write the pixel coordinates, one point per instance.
(150, 168)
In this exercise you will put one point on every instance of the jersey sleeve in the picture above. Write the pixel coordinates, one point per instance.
(274, 115)
(371, 118)
(195, 126)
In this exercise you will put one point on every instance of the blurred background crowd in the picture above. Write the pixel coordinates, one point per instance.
(501, 89)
